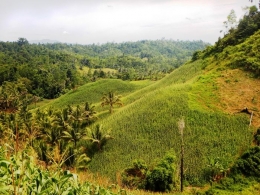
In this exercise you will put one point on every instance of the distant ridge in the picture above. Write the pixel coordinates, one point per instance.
(44, 41)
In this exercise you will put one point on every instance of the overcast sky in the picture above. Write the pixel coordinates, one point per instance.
(101, 21)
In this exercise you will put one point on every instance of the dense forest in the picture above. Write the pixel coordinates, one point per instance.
(48, 70)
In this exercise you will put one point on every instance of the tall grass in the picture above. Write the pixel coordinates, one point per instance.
(92, 92)
(147, 127)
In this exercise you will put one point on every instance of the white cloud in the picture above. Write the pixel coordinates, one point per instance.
(65, 32)
(88, 21)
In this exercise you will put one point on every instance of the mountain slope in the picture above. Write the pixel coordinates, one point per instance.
(234, 76)
(147, 128)
(210, 94)
(93, 92)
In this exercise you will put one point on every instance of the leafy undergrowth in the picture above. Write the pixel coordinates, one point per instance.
(243, 177)
(20, 175)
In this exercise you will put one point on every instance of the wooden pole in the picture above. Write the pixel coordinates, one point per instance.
(181, 125)
(251, 118)
(182, 167)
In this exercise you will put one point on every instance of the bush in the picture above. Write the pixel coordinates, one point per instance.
(248, 163)
(257, 137)
(134, 177)
(160, 179)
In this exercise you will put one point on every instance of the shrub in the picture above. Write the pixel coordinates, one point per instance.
(257, 137)
(161, 177)
(158, 179)
(248, 163)
(134, 177)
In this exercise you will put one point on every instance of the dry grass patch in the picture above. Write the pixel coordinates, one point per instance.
(238, 90)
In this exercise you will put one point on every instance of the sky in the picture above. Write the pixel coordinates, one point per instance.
(102, 21)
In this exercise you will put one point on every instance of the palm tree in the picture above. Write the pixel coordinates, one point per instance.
(98, 136)
(61, 120)
(73, 135)
(111, 99)
(30, 132)
(89, 113)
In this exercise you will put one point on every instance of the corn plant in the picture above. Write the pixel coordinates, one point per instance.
(19, 175)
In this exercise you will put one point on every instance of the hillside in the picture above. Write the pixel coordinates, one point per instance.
(150, 114)
(208, 93)
(93, 92)
(235, 77)
(147, 127)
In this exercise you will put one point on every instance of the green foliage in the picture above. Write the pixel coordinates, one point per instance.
(111, 100)
(196, 55)
(44, 72)
(243, 174)
(55, 135)
(248, 163)
(237, 34)
(215, 170)
(98, 137)
(160, 178)
(234, 183)
(135, 177)
(12, 95)
(20, 175)
(257, 137)
(50, 70)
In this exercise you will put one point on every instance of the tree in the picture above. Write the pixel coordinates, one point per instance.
(22, 41)
(61, 119)
(135, 176)
(111, 99)
(231, 20)
(99, 137)
(160, 179)
(73, 135)
(248, 163)
(89, 113)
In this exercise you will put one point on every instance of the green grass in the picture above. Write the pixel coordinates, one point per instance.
(92, 92)
(204, 93)
(186, 74)
(245, 188)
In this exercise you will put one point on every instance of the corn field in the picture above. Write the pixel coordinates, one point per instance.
(19, 175)
(147, 128)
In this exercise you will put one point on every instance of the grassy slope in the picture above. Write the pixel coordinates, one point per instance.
(147, 126)
(92, 92)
